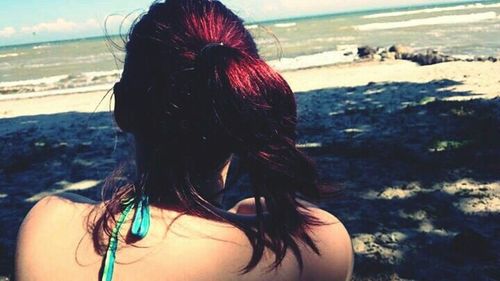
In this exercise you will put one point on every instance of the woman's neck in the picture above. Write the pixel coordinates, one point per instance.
(208, 184)
(211, 187)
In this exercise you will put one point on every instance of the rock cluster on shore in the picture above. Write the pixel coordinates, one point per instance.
(401, 52)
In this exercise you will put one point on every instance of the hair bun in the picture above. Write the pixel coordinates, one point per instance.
(210, 50)
(210, 46)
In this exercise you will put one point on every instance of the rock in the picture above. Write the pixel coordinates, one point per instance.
(430, 57)
(388, 55)
(404, 56)
(377, 57)
(366, 52)
(381, 50)
(400, 49)
(450, 59)
(423, 59)
(478, 58)
(492, 59)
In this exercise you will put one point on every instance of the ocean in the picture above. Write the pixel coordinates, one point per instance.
(91, 64)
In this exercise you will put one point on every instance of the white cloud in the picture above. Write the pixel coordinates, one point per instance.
(7, 31)
(91, 23)
(60, 25)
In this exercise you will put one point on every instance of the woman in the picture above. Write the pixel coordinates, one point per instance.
(195, 95)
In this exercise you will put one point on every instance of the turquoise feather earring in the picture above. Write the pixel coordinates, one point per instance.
(140, 227)
(142, 218)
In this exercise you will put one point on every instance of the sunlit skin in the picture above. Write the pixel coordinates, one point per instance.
(54, 244)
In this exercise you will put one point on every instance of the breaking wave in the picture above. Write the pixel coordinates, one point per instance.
(433, 10)
(452, 19)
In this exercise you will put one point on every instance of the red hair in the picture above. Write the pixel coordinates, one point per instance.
(195, 91)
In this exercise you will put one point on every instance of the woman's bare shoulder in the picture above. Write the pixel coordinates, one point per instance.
(331, 237)
(55, 210)
(45, 230)
(336, 258)
(55, 207)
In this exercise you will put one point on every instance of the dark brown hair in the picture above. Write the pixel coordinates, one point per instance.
(194, 91)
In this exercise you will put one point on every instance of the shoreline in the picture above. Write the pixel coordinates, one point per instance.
(476, 77)
(61, 92)
(347, 55)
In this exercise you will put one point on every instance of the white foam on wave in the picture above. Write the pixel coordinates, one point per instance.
(93, 58)
(252, 26)
(345, 38)
(314, 60)
(41, 47)
(67, 91)
(9, 55)
(433, 10)
(262, 41)
(40, 65)
(452, 19)
(285, 25)
(332, 39)
(45, 80)
(94, 74)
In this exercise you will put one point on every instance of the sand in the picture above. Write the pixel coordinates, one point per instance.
(413, 151)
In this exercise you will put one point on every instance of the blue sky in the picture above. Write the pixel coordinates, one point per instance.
(27, 21)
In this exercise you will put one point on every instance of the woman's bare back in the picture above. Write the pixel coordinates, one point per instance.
(55, 244)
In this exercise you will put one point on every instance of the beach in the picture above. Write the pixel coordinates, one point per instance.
(412, 152)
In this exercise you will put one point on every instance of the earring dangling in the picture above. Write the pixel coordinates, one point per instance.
(142, 218)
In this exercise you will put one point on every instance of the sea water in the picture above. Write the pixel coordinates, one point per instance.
(94, 63)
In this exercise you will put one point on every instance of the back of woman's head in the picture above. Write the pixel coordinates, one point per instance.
(194, 91)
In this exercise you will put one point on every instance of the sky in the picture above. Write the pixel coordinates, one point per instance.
(29, 21)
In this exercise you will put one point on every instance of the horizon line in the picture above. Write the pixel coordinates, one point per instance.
(274, 20)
